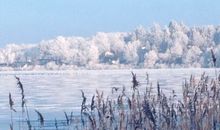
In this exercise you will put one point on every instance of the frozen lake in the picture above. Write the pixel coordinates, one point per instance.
(53, 92)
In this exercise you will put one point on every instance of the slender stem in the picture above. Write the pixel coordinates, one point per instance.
(11, 119)
(27, 112)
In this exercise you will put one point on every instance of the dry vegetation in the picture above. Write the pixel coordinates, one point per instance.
(199, 109)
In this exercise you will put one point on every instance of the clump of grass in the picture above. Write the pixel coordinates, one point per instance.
(198, 107)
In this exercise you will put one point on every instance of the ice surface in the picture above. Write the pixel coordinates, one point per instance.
(52, 92)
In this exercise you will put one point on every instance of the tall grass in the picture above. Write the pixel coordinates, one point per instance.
(197, 109)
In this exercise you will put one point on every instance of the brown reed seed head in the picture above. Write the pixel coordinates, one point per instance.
(213, 58)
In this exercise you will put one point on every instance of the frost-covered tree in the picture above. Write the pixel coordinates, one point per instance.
(151, 59)
(175, 45)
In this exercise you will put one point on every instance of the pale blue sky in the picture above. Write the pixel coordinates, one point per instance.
(30, 21)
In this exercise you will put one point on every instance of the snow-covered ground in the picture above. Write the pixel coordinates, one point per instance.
(52, 92)
(172, 46)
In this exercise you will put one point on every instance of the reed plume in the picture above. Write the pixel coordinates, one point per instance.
(134, 81)
(11, 103)
(40, 118)
(213, 58)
